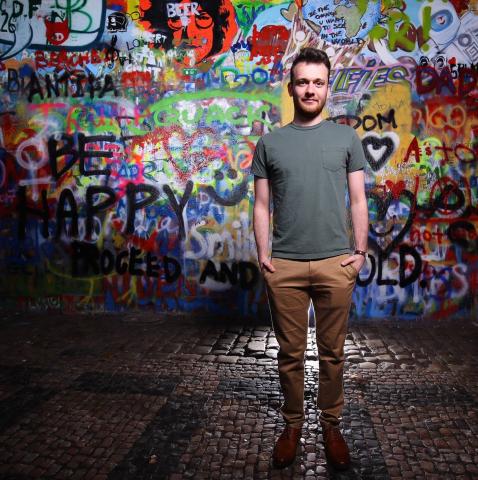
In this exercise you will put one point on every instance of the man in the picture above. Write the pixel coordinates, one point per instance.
(306, 165)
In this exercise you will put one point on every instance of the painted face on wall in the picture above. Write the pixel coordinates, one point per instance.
(192, 27)
(203, 28)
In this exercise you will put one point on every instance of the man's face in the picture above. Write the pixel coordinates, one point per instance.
(309, 89)
(192, 27)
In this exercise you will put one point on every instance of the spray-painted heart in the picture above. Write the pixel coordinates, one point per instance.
(390, 227)
(378, 149)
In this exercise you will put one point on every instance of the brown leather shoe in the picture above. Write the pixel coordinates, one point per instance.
(336, 449)
(285, 447)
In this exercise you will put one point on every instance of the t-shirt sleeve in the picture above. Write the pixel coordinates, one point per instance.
(259, 167)
(356, 160)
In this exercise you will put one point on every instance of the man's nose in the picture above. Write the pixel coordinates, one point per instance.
(191, 30)
(309, 90)
(184, 33)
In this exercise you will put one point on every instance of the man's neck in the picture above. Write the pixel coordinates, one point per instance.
(306, 122)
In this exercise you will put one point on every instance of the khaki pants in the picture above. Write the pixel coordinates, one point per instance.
(290, 289)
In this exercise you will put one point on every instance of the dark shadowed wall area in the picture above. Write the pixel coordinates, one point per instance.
(127, 130)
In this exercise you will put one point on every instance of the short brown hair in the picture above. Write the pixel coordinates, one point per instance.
(310, 55)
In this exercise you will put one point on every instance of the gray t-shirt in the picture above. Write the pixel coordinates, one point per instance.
(306, 168)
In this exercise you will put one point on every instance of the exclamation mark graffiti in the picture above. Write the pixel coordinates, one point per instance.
(427, 23)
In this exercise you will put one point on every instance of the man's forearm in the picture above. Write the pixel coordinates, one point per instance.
(360, 224)
(261, 224)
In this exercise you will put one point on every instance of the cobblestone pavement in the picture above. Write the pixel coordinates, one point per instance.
(139, 397)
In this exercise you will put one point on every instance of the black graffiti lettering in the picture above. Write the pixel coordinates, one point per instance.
(351, 120)
(111, 52)
(52, 87)
(134, 206)
(380, 280)
(248, 275)
(92, 208)
(83, 154)
(75, 84)
(33, 6)
(34, 87)
(92, 85)
(209, 271)
(17, 10)
(376, 266)
(179, 207)
(78, 79)
(390, 119)
(86, 259)
(67, 207)
(246, 272)
(368, 122)
(120, 266)
(371, 125)
(108, 86)
(228, 274)
(133, 260)
(64, 78)
(172, 269)
(66, 196)
(66, 150)
(107, 262)
(151, 266)
(83, 257)
(405, 250)
(363, 282)
(23, 209)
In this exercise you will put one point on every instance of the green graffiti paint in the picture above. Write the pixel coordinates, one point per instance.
(166, 112)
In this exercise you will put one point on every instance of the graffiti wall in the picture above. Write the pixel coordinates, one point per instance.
(127, 129)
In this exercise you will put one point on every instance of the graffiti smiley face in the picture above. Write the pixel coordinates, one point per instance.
(232, 198)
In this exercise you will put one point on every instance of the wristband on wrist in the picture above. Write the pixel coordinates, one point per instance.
(361, 252)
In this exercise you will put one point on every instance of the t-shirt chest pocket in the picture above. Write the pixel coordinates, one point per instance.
(334, 158)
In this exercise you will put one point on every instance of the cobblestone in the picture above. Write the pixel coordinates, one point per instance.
(100, 398)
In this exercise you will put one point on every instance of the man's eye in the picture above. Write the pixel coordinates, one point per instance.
(204, 20)
(174, 23)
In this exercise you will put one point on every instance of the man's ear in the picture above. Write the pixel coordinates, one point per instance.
(289, 88)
